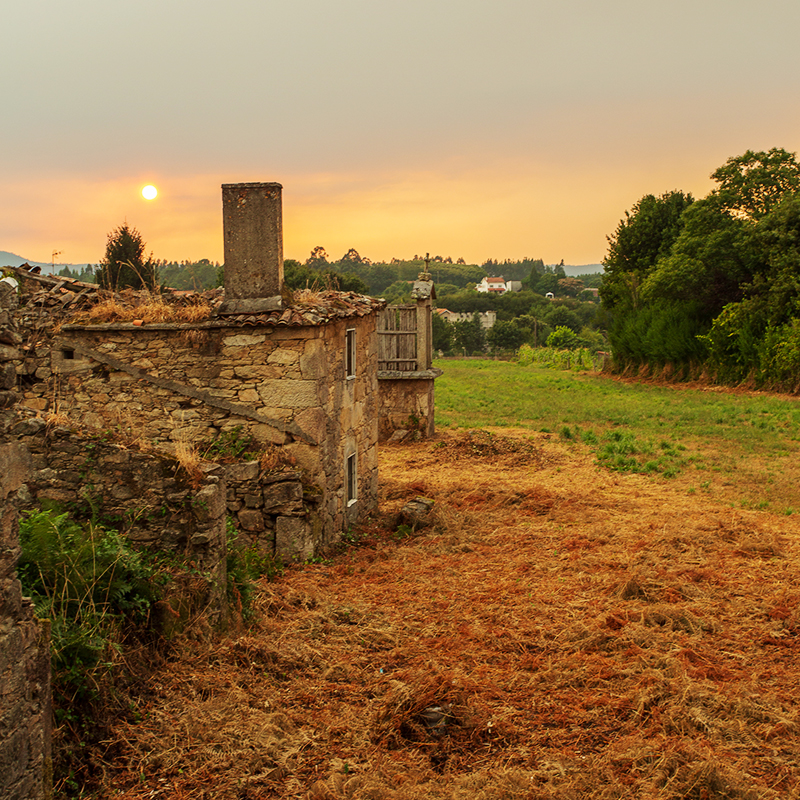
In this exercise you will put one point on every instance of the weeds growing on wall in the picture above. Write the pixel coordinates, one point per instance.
(232, 445)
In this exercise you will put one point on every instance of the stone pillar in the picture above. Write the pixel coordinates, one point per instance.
(253, 244)
(424, 292)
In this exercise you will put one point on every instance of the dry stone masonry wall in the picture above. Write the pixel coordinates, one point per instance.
(25, 713)
(147, 496)
(284, 385)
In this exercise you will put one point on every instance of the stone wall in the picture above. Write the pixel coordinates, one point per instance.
(25, 712)
(274, 511)
(147, 496)
(406, 404)
(284, 386)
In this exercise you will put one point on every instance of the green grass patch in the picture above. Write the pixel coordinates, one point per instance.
(630, 426)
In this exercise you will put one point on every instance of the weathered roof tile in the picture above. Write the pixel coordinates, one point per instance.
(305, 307)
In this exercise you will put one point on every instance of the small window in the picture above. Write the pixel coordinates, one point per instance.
(350, 353)
(351, 478)
(67, 353)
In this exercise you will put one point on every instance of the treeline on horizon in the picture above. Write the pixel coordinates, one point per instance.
(524, 316)
(352, 272)
(712, 286)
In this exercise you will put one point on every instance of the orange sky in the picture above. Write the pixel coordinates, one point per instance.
(518, 128)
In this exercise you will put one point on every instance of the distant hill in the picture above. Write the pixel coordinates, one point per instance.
(10, 259)
(13, 260)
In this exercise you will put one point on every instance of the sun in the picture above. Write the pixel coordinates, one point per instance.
(149, 192)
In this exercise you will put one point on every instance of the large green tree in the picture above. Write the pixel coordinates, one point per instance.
(125, 263)
(507, 335)
(644, 236)
(752, 184)
(722, 284)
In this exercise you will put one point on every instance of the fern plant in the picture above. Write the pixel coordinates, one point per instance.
(86, 580)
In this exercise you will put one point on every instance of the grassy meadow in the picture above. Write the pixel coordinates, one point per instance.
(742, 445)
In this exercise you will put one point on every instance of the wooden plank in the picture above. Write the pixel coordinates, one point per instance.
(397, 338)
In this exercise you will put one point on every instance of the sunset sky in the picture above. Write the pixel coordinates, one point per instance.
(472, 128)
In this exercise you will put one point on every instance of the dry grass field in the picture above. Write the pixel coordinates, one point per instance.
(558, 631)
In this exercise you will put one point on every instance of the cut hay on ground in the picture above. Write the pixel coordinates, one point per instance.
(558, 633)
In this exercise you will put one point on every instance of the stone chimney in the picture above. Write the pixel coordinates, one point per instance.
(252, 228)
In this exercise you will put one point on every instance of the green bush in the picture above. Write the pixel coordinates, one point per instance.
(231, 445)
(563, 338)
(90, 584)
(580, 359)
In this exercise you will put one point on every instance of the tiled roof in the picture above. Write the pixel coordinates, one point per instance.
(325, 307)
(67, 300)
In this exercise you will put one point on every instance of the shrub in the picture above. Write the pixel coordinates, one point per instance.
(84, 579)
(563, 338)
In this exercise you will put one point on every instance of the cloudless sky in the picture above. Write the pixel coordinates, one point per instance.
(472, 128)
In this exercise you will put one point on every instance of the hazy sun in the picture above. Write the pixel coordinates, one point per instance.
(149, 192)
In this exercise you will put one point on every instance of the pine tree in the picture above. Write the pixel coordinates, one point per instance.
(125, 264)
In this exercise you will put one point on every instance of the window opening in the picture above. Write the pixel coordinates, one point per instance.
(351, 479)
(350, 353)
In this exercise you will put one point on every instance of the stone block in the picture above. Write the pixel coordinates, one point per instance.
(8, 398)
(15, 463)
(267, 434)
(209, 503)
(244, 340)
(8, 376)
(306, 457)
(184, 414)
(293, 540)
(36, 403)
(9, 353)
(313, 422)
(28, 427)
(244, 471)
(314, 361)
(284, 356)
(122, 491)
(251, 519)
(253, 501)
(289, 393)
(282, 494)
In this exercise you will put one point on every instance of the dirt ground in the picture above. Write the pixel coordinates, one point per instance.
(557, 631)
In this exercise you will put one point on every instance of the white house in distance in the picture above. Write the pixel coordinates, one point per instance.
(498, 285)
(492, 286)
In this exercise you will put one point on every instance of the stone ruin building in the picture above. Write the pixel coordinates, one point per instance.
(297, 377)
(101, 410)
(311, 379)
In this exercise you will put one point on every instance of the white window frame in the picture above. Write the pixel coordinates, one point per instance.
(350, 353)
(351, 479)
